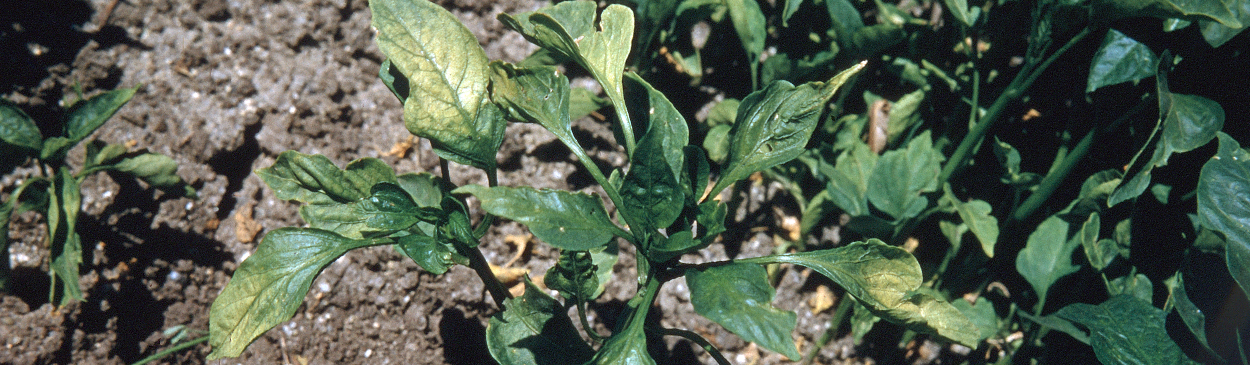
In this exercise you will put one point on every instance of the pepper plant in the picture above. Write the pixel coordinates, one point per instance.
(55, 192)
(460, 101)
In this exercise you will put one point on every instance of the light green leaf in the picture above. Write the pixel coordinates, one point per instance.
(662, 249)
(570, 221)
(86, 116)
(716, 142)
(1047, 256)
(749, 22)
(158, 170)
(628, 347)
(604, 259)
(534, 329)
(573, 276)
(6, 212)
(270, 285)
(315, 179)
(1216, 34)
(1100, 253)
(738, 297)
(862, 321)
(432, 254)
(774, 124)
(788, 10)
(954, 233)
(448, 77)
(1120, 59)
(1137, 286)
(901, 176)
(16, 128)
(425, 189)
(99, 153)
(976, 214)
(1222, 11)
(723, 113)
(1194, 320)
(848, 184)
(982, 315)
(394, 80)
(846, 20)
(1224, 206)
(1059, 324)
(885, 279)
(1126, 330)
(959, 9)
(582, 102)
(65, 201)
(55, 148)
(568, 29)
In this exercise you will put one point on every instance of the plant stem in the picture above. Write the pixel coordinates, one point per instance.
(702, 342)
(1054, 179)
(839, 314)
(1023, 80)
(175, 348)
(479, 264)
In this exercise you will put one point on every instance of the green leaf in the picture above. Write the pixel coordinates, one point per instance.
(568, 29)
(1137, 286)
(570, 221)
(85, 117)
(65, 201)
(981, 314)
(270, 285)
(862, 321)
(976, 214)
(774, 124)
(16, 128)
(534, 329)
(315, 179)
(448, 77)
(432, 254)
(1224, 206)
(959, 9)
(98, 154)
(1222, 11)
(652, 196)
(394, 80)
(1120, 59)
(425, 189)
(749, 22)
(902, 176)
(1047, 256)
(1100, 253)
(55, 148)
(1194, 320)
(788, 10)
(738, 297)
(604, 259)
(662, 249)
(158, 170)
(846, 20)
(573, 276)
(885, 279)
(628, 347)
(848, 184)
(582, 102)
(1216, 34)
(716, 142)
(1059, 324)
(1126, 330)
(694, 177)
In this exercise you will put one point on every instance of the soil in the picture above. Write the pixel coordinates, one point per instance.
(225, 87)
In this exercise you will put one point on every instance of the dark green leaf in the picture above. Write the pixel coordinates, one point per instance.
(885, 279)
(1222, 11)
(447, 101)
(432, 254)
(774, 124)
(663, 249)
(695, 175)
(99, 153)
(627, 347)
(86, 116)
(846, 20)
(1059, 324)
(534, 329)
(862, 321)
(652, 196)
(711, 220)
(738, 297)
(1194, 320)
(270, 285)
(16, 128)
(394, 80)
(55, 148)
(981, 314)
(1100, 253)
(1047, 256)
(664, 122)
(64, 243)
(959, 9)
(391, 209)
(848, 182)
(869, 40)
(1224, 206)
(573, 276)
(570, 221)
(314, 179)
(652, 16)
(901, 176)
(749, 22)
(1126, 330)
(1120, 59)
(6, 211)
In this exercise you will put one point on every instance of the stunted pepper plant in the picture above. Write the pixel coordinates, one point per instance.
(461, 101)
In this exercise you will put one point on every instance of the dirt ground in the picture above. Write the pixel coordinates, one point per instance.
(226, 87)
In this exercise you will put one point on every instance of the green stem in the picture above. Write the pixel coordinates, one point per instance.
(613, 194)
(622, 116)
(702, 342)
(839, 314)
(175, 348)
(492, 178)
(1054, 179)
(1015, 90)
(590, 330)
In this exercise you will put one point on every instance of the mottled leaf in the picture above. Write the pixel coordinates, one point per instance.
(739, 298)
(16, 128)
(885, 279)
(1047, 256)
(570, 221)
(573, 276)
(65, 246)
(1120, 59)
(1137, 286)
(848, 182)
(86, 116)
(774, 124)
(981, 314)
(158, 170)
(1222, 11)
(1126, 330)
(270, 285)
(1224, 206)
(315, 179)
(534, 329)
(448, 77)
(976, 214)
(902, 176)
(1100, 253)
